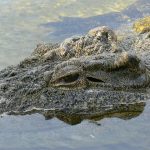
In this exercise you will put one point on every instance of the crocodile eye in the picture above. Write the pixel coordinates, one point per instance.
(70, 78)
(66, 80)
(68, 75)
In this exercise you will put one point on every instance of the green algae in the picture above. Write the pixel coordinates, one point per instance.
(142, 25)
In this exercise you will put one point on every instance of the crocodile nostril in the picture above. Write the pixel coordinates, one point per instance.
(95, 80)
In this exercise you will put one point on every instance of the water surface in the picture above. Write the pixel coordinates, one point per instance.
(25, 23)
(32, 132)
(21, 22)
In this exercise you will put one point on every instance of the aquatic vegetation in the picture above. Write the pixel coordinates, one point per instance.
(142, 25)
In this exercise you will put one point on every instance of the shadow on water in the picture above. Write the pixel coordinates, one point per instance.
(75, 26)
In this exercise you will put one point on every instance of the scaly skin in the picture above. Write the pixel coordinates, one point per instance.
(90, 75)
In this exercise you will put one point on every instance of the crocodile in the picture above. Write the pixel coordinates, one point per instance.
(97, 74)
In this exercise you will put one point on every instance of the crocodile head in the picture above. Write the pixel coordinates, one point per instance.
(87, 75)
(97, 61)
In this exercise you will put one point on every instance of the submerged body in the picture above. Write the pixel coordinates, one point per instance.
(89, 75)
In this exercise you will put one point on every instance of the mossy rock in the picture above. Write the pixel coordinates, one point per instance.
(142, 25)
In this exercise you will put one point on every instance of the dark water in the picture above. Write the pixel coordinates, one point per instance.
(25, 23)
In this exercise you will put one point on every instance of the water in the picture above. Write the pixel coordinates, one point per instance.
(23, 24)
(32, 132)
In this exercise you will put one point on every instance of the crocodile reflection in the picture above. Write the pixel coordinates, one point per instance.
(122, 111)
